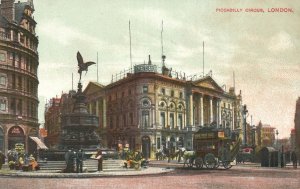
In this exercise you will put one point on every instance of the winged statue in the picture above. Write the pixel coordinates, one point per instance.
(82, 66)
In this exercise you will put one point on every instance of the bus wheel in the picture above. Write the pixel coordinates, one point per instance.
(199, 162)
(210, 161)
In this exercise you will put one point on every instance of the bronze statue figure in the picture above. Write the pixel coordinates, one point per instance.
(82, 66)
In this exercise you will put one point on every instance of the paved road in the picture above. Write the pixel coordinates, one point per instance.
(238, 177)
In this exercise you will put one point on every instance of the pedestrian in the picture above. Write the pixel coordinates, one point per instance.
(79, 161)
(69, 158)
(99, 157)
(2, 159)
(294, 159)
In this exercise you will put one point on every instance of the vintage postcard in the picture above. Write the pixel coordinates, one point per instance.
(149, 94)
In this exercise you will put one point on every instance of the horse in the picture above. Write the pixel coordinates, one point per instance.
(189, 157)
(160, 155)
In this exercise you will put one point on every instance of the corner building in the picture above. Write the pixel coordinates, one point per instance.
(147, 110)
(18, 75)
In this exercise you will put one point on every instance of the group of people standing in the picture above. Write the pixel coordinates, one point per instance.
(73, 159)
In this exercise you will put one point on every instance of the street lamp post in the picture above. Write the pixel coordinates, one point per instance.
(245, 113)
(277, 146)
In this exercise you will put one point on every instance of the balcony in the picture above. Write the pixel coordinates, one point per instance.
(17, 119)
(6, 37)
(15, 69)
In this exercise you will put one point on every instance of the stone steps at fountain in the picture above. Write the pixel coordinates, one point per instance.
(90, 165)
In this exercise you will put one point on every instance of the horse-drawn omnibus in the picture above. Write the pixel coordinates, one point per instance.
(213, 148)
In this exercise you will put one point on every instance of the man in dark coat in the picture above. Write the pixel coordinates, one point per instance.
(294, 159)
(2, 159)
(79, 161)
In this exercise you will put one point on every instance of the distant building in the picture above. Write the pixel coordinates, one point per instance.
(54, 109)
(297, 126)
(19, 62)
(267, 135)
(147, 110)
(293, 139)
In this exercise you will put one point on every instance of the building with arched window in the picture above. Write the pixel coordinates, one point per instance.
(148, 109)
(18, 75)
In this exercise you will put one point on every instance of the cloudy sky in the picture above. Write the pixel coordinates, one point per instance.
(261, 48)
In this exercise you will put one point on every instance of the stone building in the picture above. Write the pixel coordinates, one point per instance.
(147, 109)
(54, 109)
(18, 75)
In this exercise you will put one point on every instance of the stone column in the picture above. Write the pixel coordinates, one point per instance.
(201, 110)
(11, 35)
(218, 115)
(211, 109)
(19, 37)
(90, 107)
(191, 109)
(97, 107)
(104, 113)
(233, 117)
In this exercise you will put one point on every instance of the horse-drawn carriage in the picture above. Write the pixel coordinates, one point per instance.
(212, 148)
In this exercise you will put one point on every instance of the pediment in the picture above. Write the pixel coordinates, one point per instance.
(208, 83)
(93, 87)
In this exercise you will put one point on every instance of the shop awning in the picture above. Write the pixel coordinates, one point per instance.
(40, 143)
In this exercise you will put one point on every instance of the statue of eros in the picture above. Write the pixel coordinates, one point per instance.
(82, 66)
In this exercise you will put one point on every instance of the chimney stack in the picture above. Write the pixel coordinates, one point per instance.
(8, 9)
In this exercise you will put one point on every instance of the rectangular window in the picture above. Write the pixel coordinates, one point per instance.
(172, 93)
(172, 120)
(3, 105)
(180, 122)
(3, 80)
(158, 143)
(145, 119)
(145, 89)
(163, 91)
(2, 57)
(180, 95)
(163, 119)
